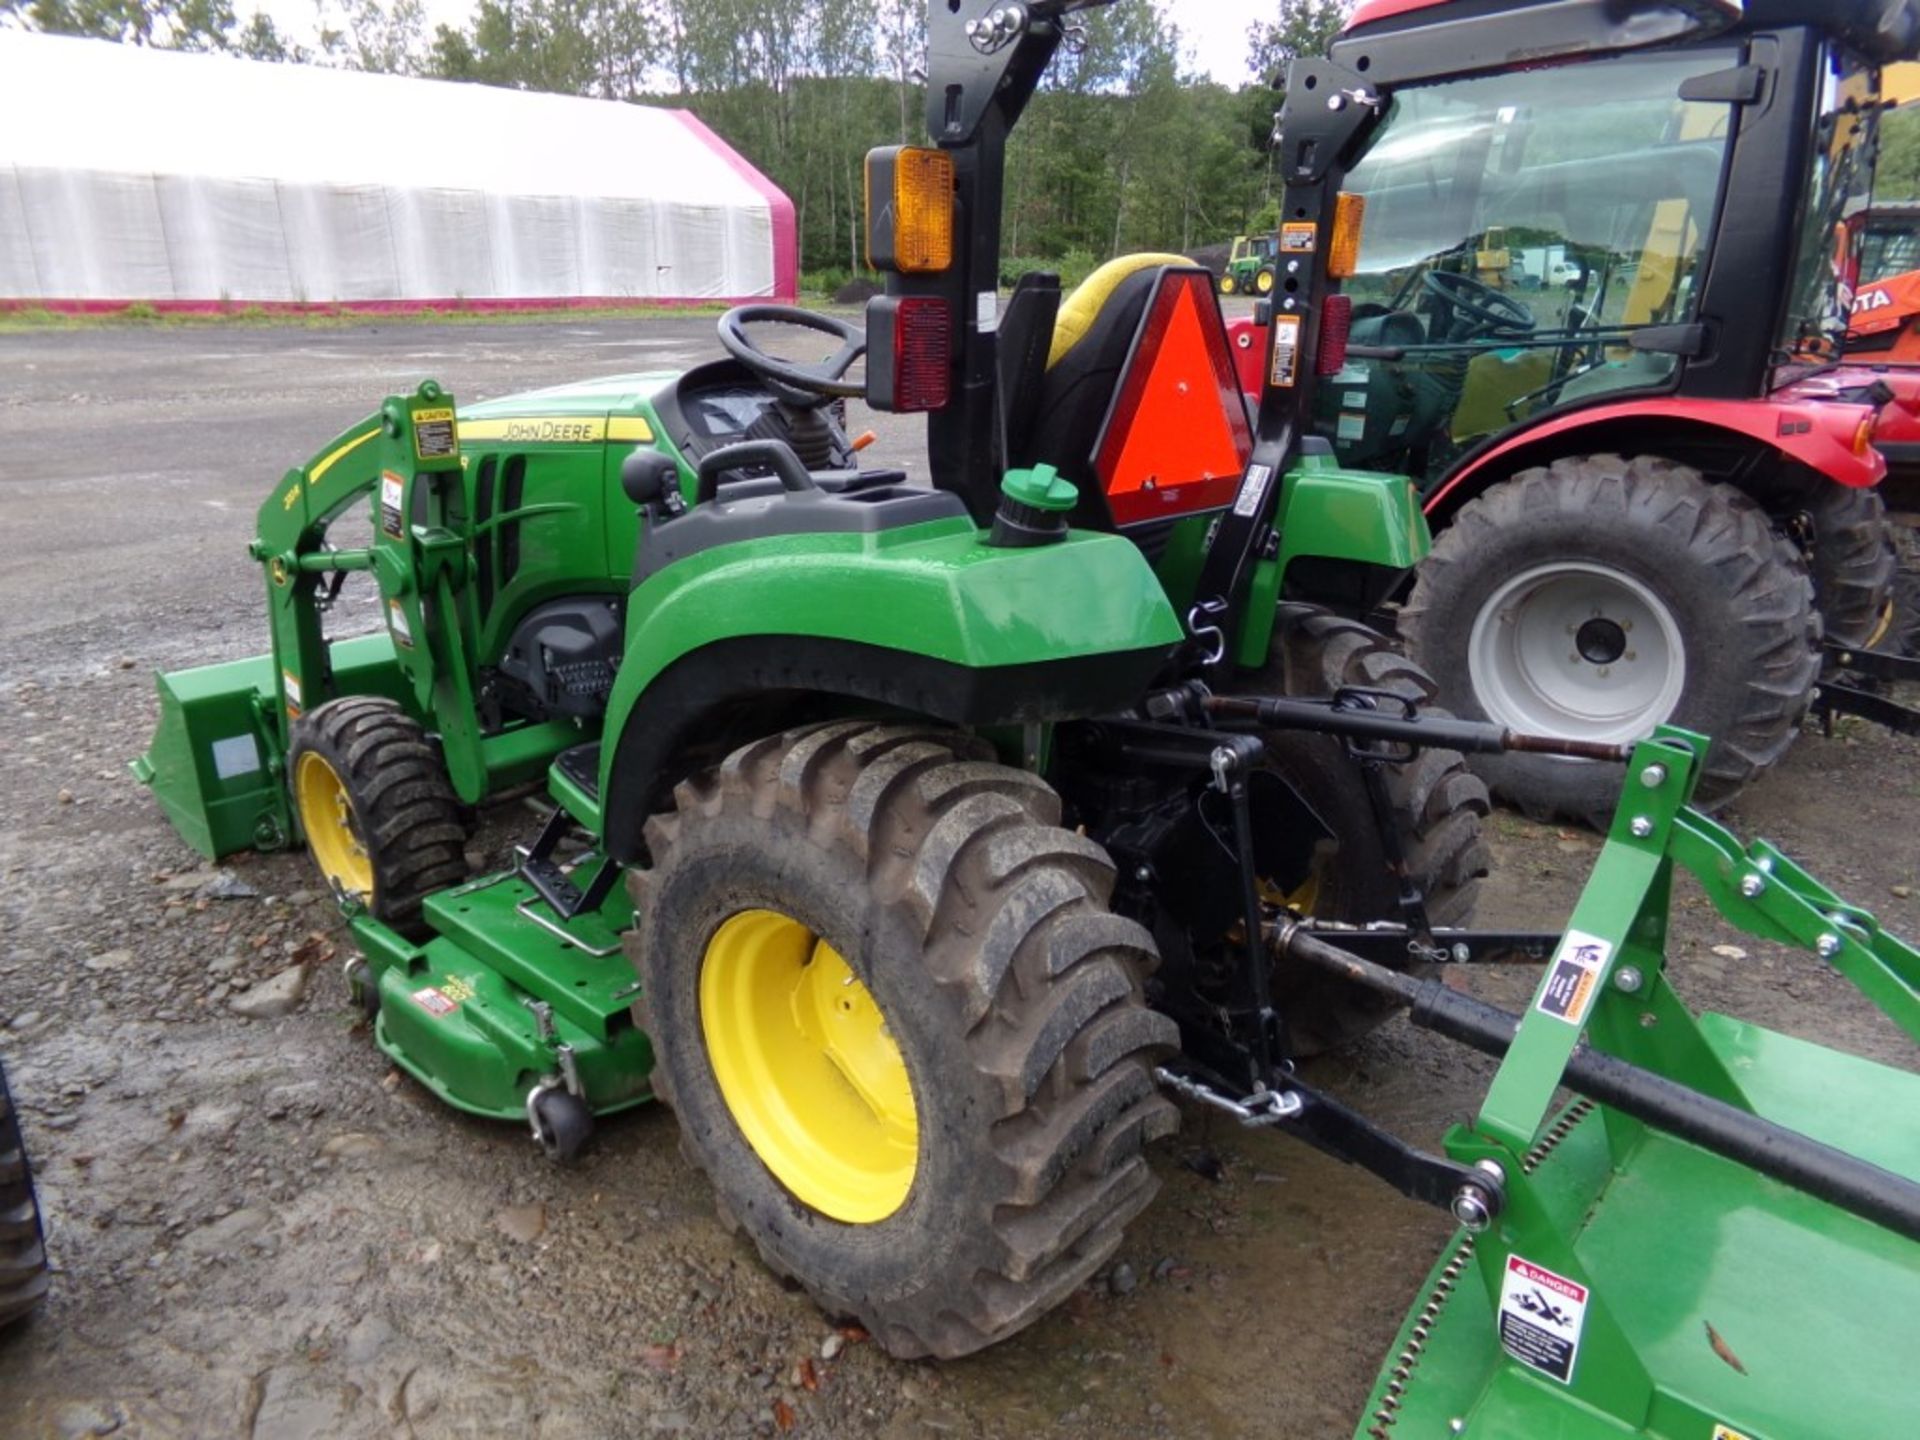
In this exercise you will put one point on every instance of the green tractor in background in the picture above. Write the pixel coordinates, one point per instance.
(912, 843)
(1251, 265)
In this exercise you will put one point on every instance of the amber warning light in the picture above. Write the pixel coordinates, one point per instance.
(910, 210)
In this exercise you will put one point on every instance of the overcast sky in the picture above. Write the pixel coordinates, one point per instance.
(1215, 30)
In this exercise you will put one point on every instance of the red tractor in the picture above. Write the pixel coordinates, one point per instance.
(1883, 346)
(1583, 315)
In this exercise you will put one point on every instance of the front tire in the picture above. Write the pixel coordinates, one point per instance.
(1599, 597)
(1437, 803)
(902, 1033)
(377, 809)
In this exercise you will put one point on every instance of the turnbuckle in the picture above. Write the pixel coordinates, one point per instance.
(1263, 1107)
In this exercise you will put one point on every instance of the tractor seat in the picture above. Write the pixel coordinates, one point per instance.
(1096, 338)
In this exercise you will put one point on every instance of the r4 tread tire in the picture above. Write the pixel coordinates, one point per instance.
(1016, 997)
(408, 816)
(23, 1251)
(1853, 560)
(1709, 551)
(1438, 803)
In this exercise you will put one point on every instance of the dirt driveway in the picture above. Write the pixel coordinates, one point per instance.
(262, 1230)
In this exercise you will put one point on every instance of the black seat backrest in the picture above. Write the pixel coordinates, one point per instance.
(1094, 338)
(1026, 339)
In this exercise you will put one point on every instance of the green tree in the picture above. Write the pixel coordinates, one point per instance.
(1301, 27)
(166, 24)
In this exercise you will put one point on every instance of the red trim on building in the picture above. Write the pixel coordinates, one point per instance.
(786, 230)
(455, 305)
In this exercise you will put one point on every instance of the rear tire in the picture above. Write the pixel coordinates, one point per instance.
(1727, 640)
(1903, 634)
(377, 808)
(974, 933)
(23, 1251)
(1852, 558)
(1263, 283)
(1438, 803)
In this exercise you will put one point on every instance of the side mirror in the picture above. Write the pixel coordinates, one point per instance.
(652, 481)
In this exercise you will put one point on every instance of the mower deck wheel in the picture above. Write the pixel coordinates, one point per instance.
(23, 1253)
(562, 1123)
(1598, 597)
(377, 808)
(902, 1033)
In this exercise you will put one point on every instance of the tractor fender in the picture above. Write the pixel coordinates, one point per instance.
(1817, 433)
(924, 620)
(1352, 518)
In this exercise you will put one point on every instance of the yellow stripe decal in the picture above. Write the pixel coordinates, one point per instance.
(538, 430)
(629, 428)
(329, 461)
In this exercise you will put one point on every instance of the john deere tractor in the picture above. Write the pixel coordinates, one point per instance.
(1250, 266)
(914, 844)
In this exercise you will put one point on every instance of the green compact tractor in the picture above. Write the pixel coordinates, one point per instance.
(915, 844)
(1251, 265)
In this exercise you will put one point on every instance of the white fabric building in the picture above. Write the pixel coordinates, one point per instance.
(129, 174)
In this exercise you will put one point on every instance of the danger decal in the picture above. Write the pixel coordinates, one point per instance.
(1541, 1317)
(1299, 237)
(1567, 992)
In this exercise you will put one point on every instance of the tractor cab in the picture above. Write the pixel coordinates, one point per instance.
(1541, 239)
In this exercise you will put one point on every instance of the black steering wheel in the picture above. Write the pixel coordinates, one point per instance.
(1497, 312)
(805, 387)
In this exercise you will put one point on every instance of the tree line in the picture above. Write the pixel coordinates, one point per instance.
(1124, 148)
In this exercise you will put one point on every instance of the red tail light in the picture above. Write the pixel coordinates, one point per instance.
(1336, 323)
(909, 354)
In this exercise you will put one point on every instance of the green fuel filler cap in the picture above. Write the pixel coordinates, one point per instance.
(1034, 505)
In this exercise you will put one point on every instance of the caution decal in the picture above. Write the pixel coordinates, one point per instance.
(433, 434)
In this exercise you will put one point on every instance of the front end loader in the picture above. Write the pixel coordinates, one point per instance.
(915, 845)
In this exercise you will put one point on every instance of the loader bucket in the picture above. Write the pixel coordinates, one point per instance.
(217, 760)
(1738, 1258)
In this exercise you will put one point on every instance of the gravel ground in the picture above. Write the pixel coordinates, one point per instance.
(261, 1229)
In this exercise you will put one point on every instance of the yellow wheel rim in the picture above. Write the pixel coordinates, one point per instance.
(807, 1067)
(1300, 900)
(332, 833)
(1226, 285)
(1263, 282)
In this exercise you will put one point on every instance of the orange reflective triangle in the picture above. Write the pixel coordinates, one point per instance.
(1177, 440)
